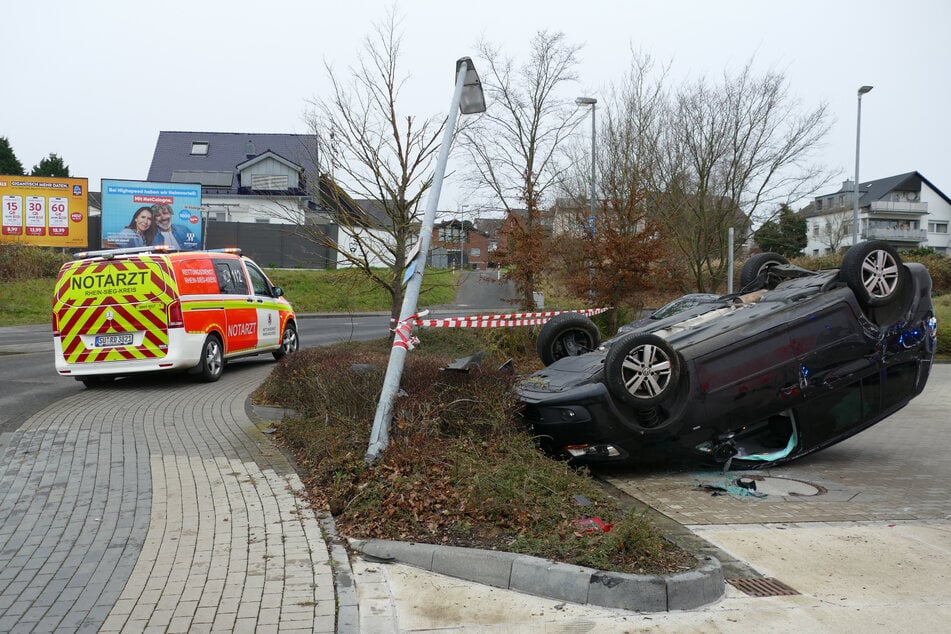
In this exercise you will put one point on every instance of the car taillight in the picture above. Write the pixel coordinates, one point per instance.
(175, 319)
(55, 325)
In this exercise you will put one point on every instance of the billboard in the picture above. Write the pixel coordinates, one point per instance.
(141, 213)
(44, 211)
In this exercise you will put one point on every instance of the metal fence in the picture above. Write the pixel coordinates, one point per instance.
(270, 245)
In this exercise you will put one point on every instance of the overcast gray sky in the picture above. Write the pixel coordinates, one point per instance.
(95, 81)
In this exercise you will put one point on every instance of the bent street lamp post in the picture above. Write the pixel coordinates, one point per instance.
(469, 99)
(855, 192)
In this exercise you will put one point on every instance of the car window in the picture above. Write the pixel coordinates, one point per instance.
(258, 281)
(679, 306)
(673, 308)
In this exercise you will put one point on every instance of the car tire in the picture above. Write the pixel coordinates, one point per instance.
(212, 362)
(756, 266)
(641, 370)
(566, 335)
(289, 342)
(874, 272)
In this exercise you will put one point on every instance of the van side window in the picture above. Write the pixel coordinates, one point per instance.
(258, 282)
(237, 274)
(225, 282)
(230, 278)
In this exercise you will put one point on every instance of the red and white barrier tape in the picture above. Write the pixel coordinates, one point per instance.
(403, 332)
(500, 321)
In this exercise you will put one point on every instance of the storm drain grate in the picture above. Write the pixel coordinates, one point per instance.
(762, 587)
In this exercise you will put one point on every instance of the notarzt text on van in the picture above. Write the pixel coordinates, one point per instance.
(118, 278)
(242, 329)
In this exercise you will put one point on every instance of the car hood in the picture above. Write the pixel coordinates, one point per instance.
(565, 374)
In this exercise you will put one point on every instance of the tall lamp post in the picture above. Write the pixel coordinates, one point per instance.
(590, 101)
(855, 193)
(469, 99)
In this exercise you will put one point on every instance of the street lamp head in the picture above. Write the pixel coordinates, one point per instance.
(865, 89)
(472, 100)
(586, 101)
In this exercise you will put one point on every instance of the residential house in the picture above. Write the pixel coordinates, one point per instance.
(906, 210)
(453, 242)
(245, 177)
(270, 179)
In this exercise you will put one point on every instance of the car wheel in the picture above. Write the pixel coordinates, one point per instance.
(757, 266)
(212, 360)
(641, 370)
(873, 270)
(566, 335)
(289, 342)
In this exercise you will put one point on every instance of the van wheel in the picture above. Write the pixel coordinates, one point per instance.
(212, 360)
(289, 342)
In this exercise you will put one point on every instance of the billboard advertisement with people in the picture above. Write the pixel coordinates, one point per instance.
(139, 213)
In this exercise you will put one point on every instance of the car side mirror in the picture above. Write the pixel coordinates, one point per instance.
(277, 291)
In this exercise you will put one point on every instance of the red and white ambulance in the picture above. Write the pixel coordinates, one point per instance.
(125, 311)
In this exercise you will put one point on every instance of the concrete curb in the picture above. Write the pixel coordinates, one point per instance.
(545, 578)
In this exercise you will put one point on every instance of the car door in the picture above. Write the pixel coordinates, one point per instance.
(241, 323)
(839, 375)
(266, 307)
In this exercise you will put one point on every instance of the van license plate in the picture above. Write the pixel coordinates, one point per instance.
(104, 341)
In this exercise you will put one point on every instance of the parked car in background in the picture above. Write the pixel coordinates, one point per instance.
(795, 362)
(679, 305)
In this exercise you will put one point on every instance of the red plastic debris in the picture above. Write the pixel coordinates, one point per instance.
(590, 525)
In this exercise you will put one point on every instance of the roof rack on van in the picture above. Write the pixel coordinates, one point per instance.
(111, 253)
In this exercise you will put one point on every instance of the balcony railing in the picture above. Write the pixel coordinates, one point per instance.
(898, 207)
(895, 235)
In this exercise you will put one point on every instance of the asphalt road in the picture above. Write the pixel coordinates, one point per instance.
(31, 383)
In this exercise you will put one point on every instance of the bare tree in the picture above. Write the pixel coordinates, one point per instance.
(515, 146)
(618, 258)
(730, 151)
(378, 154)
(835, 230)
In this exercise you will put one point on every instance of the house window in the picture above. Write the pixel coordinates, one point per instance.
(199, 148)
(815, 230)
(450, 233)
(937, 227)
(818, 204)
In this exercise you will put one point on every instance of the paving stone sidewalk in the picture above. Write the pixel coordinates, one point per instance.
(154, 507)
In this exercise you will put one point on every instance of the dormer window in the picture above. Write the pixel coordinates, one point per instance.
(199, 148)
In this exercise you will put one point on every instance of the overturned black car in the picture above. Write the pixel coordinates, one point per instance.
(795, 362)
